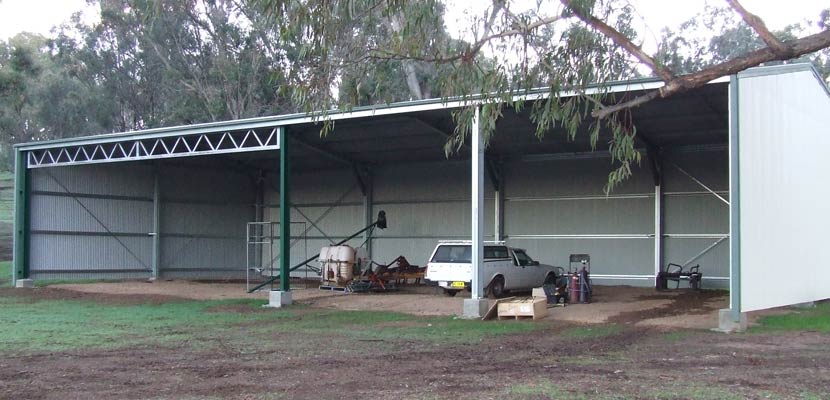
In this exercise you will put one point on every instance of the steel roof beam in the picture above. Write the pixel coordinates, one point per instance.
(432, 128)
(324, 152)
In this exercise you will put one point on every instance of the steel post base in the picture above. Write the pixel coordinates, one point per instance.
(475, 308)
(278, 299)
(727, 324)
(24, 284)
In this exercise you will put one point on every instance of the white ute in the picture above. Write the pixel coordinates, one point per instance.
(505, 268)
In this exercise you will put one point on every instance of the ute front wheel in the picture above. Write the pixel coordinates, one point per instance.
(497, 287)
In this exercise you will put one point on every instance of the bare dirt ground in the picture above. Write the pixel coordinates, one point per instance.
(636, 362)
(620, 304)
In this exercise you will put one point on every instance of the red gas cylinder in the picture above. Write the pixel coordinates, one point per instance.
(573, 289)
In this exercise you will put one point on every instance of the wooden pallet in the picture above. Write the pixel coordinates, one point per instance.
(516, 317)
(491, 312)
(334, 288)
(532, 308)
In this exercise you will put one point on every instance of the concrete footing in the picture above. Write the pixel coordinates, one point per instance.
(24, 283)
(727, 324)
(475, 308)
(278, 299)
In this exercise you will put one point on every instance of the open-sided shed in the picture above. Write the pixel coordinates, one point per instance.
(730, 181)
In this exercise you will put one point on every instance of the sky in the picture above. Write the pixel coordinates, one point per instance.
(655, 14)
(38, 16)
(41, 15)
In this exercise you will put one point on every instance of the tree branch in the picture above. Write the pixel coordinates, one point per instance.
(760, 28)
(621, 40)
(498, 5)
(698, 79)
(378, 53)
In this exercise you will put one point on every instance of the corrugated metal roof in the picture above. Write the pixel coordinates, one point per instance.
(334, 115)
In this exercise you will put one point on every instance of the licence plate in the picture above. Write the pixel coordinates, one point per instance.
(457, 284)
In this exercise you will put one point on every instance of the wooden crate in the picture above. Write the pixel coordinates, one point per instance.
(523, 309)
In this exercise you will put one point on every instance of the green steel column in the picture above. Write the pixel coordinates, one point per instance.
(285, 212)
(21, 217)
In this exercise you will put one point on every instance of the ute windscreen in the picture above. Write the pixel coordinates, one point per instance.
(453, 254)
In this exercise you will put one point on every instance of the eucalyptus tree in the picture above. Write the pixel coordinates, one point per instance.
(143, 64)
(207, 59)
(565, 45)
(690, 47)
(39, 98)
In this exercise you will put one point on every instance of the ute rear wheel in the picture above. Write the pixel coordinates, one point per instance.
(497, 287)
(450, 293)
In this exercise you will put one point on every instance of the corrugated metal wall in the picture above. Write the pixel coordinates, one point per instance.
(424, 203)
(555, 208)
(694, 219)
(95, 221)
(547, 204)
(91, 222)
(203, 217)
(328, 207)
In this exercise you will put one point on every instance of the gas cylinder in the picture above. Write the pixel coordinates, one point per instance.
(573, 289)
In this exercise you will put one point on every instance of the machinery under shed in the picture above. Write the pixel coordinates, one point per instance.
(731, 180)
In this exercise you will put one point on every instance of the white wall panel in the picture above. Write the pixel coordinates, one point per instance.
(785, 199)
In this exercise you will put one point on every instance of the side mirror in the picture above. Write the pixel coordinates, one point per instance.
(534, 263)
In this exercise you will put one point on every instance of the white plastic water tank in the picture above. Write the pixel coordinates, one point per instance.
(337, 263)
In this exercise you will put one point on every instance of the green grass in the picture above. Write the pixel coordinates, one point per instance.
(390, 326)
(813, 319)
(678, 336)
(563, 390)
(5, 273)
(54, 325)
(591, 332)
(545, 389)
(57, 325)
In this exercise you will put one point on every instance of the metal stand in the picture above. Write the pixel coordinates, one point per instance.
(262, 256)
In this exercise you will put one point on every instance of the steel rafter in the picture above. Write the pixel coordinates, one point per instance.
(220, 142)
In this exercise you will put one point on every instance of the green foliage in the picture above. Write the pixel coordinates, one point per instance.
(145, 64)
(815, 319)
(152, 63)
(6, 202)
(392, 50)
